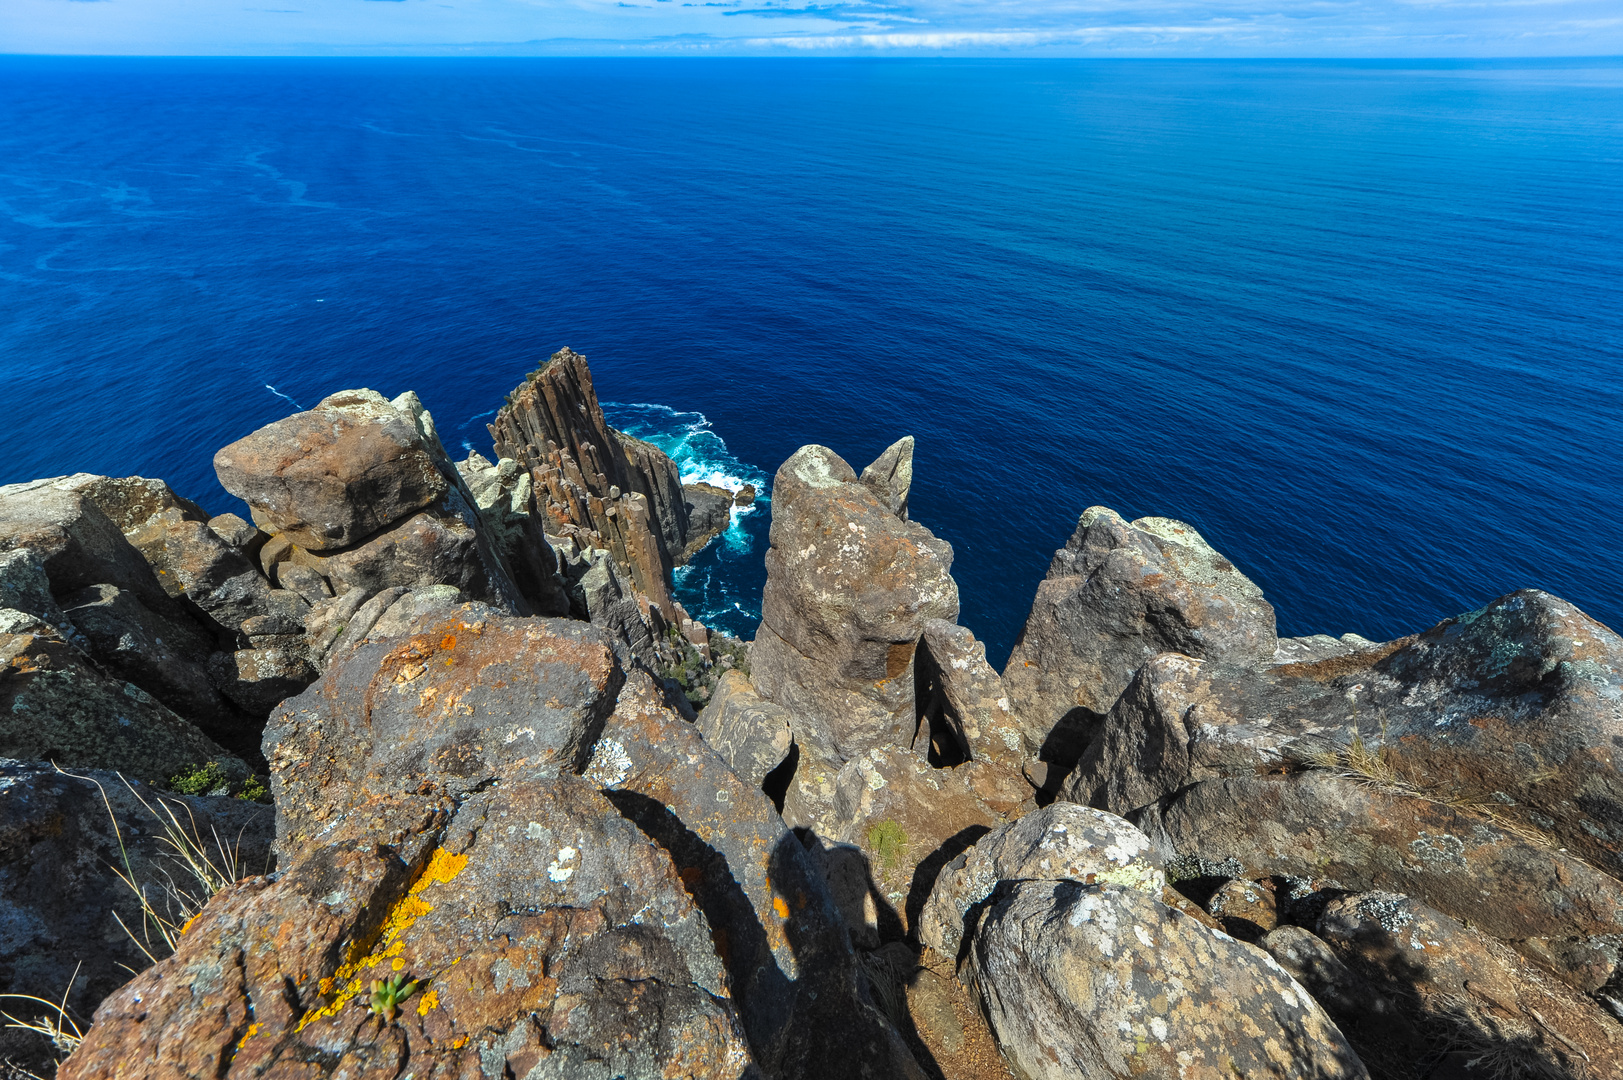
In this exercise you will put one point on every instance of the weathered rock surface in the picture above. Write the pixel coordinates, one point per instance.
(74, 541)
(710, 511)
(1386, 1041)
(332, 476)
(897, 821)
(890, 476)
(1468, 767)
(56, 705)
(1464, 989)
(1060, 842)
(58, 897)
(432, 824)
(849, 588)
(794, 976)
(1116, 594)
(505, 496)
(751, 734)
(1104, 981)
(598, 486)
(961, 698)
(164, 657)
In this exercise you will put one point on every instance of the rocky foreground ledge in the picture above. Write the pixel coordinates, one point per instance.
(443, 715)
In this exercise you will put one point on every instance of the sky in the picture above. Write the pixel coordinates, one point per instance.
(1217, 28)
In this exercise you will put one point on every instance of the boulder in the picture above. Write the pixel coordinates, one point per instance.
(1464, 990)
(433, 825)
(25, 591)
(751, 734)
(798, 985)
(62, 837)
(165, 658)
(1060, 842)
(1245, 909)
(258, 679)
(1116, 594)
(1466, 767)
(431, 548)
(74, 541)
(961, 699)
(332, 476)
(710, 512)
(1386, 1041)
(1105, 981)
(56, 705)
(849, 588)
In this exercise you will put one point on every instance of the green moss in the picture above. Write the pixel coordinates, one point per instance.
(204, 779)
(254, 791)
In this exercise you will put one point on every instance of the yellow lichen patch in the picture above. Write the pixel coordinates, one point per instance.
(459, 1043)
(253, 1029)
(187, 925)
(428, 1003)
(352, 975)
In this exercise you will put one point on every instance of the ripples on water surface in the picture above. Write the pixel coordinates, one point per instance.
(1361, 324)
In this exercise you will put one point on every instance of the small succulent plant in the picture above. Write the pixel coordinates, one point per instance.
(387, 994)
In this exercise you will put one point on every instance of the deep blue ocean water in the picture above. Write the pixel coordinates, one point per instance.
(1360, 323)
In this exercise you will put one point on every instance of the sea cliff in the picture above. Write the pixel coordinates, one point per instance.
(416, 767)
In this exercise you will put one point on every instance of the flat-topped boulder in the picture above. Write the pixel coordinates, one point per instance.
(334, 474)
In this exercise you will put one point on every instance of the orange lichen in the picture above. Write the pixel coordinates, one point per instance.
(187, 925)
(442, 868)
(780, 907)
(448, 641)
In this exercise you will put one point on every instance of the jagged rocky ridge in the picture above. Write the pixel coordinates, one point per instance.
(1163, 842)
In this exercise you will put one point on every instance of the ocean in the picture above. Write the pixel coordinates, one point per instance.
(1361, 324)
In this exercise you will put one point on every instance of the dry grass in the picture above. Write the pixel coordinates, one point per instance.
(57, 1025)
(194, 868)
(1376, 764)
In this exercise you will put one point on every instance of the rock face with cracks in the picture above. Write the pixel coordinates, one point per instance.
(1116, 594)
(1470, 767)
(432, 825)
(850, 585)
(1105, 981)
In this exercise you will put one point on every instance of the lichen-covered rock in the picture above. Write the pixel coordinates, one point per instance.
(25, 590)
(1246, 909)
(1060, 842)
(258, 679)
(751, 734)
(960, 691)
(73, 540)
(432, 825)
(59, 896)
(905, 818)
(890, 475)
(333, 475)
(1469, 767)
(849, 588)
(1386, 1041)
(56, 705)
(797, 983)
(1465, 990)
(166, 658)
(1116, 594)
(453, 704)
(1104, 981)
